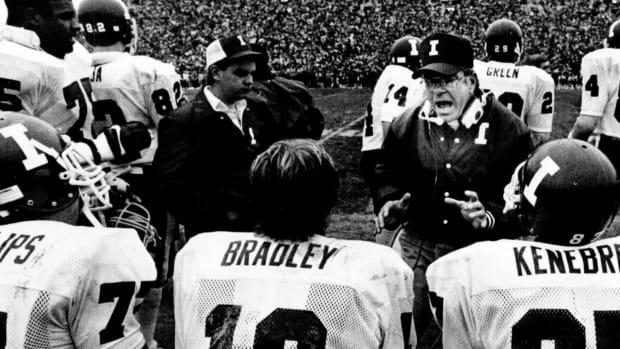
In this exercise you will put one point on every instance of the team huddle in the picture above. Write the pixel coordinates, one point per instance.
(494, 230)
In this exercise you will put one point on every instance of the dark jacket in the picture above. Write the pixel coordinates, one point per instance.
(202, 164)
(291, 105)
(433, 161)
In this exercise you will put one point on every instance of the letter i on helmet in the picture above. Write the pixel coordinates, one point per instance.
(504, 41)
(405, 52)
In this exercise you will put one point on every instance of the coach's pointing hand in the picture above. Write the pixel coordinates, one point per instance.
(472, 210)
(392, 213)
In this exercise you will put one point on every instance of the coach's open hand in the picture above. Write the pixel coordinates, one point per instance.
(392, 213)
(473, 211)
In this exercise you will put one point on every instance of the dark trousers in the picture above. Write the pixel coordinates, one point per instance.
(610, 146)
(419, 252)
(368, 162)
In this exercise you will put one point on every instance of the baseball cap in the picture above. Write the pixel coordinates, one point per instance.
(231, 47)
(445, 54)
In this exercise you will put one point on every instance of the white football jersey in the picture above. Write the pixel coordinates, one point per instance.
(133, 88)
(600, 74)
(64, 286)
(249, 291)
(526, 90)
(78, 92)
(523, 294)
(396, 93)
(31, 80)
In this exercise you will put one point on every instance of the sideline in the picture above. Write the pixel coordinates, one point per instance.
(336, 132)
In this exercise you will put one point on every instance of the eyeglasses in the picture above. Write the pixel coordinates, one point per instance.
(443, 81)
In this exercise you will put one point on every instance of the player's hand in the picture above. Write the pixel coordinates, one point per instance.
(472, 210)
(392, 213)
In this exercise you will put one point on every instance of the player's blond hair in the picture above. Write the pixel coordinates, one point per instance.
(296, 186)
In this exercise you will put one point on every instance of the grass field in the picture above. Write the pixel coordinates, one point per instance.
(344, 110)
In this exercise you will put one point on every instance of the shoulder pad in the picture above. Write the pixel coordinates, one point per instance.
(20, 36)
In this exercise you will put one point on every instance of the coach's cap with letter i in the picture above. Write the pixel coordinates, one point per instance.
(228, 48)
(445, 54)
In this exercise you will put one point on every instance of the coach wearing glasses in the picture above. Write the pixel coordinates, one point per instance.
(446, 165)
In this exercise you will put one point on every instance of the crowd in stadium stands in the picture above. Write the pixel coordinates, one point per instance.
(336, 43)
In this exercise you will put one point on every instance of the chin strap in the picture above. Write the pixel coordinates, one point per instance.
(472, 114)
(512, 190)
(474, 111)
(428, 113)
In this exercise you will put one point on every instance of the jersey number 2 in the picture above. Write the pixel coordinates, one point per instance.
(302, 326)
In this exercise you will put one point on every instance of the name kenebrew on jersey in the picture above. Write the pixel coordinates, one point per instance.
(589, 260)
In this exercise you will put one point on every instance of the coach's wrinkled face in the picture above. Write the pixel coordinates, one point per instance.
(449, 94)
(57, 28)
(235, 80)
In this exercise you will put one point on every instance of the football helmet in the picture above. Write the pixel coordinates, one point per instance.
(504, 41)
(106, 22)
(405, 52)
(566, 192)
(613, 36)
(37, 179)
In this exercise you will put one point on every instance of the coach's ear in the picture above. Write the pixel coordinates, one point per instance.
(213, 74)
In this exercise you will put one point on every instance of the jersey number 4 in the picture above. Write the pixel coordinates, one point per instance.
(592, 87)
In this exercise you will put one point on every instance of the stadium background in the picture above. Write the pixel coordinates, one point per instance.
(339, 47)
(328, 43)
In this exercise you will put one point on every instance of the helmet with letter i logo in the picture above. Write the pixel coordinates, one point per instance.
(568, 192)
(40, 175)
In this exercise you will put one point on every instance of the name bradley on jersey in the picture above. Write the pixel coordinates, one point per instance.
(589, 260)
(503, 72)
(253, 252)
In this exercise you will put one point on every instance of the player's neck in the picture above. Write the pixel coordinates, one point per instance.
(117, 47)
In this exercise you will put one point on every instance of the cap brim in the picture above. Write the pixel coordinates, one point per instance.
(439, 68)
(244, 54)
